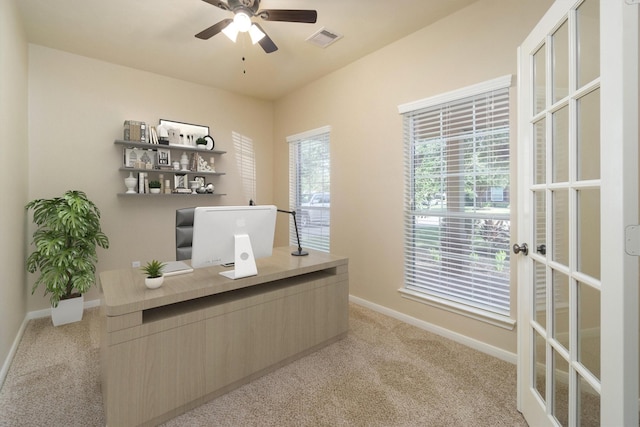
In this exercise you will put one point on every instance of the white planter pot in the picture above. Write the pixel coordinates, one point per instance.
(68, 311)
(153, 282)
(154, 190)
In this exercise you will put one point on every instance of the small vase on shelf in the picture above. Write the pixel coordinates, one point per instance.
(130, 182)
(184, 162)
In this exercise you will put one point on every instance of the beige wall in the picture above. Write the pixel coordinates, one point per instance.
(360, 103)
(13, 173)
(77, 107)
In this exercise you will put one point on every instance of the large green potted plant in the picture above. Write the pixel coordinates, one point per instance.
(68, 232)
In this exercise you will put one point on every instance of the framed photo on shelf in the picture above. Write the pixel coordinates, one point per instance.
(163, 157)
(130, 157)
(148, 157)
(139, 158)
(183, 133)
(180, 180)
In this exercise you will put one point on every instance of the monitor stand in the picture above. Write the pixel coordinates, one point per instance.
(245, 263)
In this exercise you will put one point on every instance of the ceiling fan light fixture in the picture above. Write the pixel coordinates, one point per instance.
(231, 31)
(242, 21)
(255, 34)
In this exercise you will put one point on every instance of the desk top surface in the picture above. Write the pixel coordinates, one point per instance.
(123, 291)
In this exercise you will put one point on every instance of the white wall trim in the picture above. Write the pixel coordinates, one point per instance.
(12, 352)
(454, 95)
(454, 336)
(504, 322)
(38, 314)
(309, 134)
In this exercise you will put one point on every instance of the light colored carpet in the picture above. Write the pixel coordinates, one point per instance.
(385, 373)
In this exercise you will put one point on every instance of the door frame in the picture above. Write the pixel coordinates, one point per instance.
(619, 205)
(619, 209)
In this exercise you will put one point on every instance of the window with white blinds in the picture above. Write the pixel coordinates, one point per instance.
(457, 197)
(309, 188)
(246, 163)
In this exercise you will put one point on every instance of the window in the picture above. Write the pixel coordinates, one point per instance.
(246, 162)
(457, 199)
(309, 188)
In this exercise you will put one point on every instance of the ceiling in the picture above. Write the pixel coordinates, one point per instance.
(158, 36)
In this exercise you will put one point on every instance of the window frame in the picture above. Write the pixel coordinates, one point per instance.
(313, 234)
(502, 317)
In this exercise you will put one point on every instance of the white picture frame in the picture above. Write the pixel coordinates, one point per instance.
(163, 157)
(132, 156)
(184, 134)
(180, 180)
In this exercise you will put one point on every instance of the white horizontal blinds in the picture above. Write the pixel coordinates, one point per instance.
(246, 162)
(457, 200)
(309, 175)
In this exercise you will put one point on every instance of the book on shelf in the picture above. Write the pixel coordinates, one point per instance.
(135, 131)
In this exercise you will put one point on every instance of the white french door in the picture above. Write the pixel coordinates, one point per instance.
(577, 192)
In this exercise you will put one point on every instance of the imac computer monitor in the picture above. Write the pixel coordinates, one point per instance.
(232, 234)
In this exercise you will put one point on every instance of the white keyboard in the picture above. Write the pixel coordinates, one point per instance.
(173, 268)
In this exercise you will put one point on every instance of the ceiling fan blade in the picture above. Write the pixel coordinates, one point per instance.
(289, 15)
(214, 29)
(217, 3)
(266, 43)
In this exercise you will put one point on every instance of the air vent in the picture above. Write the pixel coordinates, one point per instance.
(324, 37)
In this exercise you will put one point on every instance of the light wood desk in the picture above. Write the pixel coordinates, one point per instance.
(200, 335)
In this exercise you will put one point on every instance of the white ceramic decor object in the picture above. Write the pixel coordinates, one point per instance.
(153, 282)
(130, 182)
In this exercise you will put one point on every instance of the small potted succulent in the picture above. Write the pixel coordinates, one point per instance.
(154, 187)
(201, 143)
(153, 270)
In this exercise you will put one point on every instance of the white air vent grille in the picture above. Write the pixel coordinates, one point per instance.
(324, 37)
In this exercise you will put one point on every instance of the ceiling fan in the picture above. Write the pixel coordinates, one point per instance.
(243, 11)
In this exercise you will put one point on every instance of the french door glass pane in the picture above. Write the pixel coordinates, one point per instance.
(540, 223)
(560, 144)
(588, 243)
(540, 298)
(588, 23)
(560, 230)
(560, 87)
(539, 364)
(560, 288)
(588, 405)
(560, 388)
(540, 83)
(588, 155)
(540, 163)
(589, 328)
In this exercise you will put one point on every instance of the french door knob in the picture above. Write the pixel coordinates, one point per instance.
(541, 249)
(524, 248)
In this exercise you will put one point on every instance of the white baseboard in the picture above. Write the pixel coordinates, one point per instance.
(38, 314)
(12, 351)
(29, 316)
(438, 330)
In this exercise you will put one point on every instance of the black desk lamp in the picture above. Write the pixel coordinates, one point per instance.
(299, 252)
